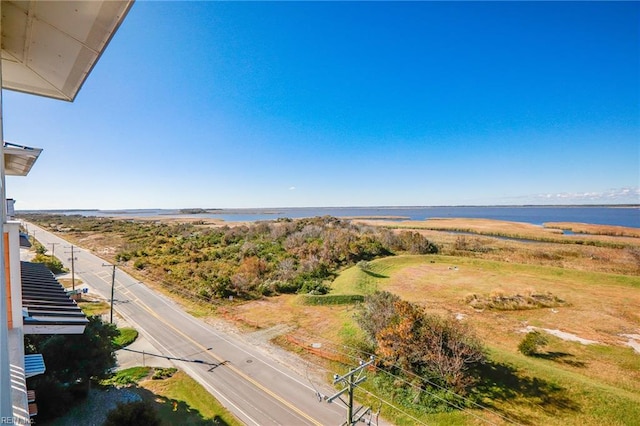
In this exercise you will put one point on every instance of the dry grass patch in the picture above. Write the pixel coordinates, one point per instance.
(599, 310)
(286, 309)
(498, 300)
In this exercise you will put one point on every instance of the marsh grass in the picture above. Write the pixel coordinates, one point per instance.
(584, 228)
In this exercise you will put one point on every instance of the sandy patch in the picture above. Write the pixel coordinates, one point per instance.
(561, 334)
(633, 342)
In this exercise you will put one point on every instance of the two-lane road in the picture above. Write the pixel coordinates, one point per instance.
(258, 389)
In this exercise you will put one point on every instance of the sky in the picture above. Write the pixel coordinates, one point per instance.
(312, 104)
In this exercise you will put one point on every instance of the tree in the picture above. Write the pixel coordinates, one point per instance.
(79, 357)
(407, 339)
(71, 361)
(376, 313)
(430, 346)
(133, 414)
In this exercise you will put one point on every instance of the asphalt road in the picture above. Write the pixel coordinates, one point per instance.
(257, 388)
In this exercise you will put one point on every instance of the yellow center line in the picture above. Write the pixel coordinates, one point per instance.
(233, 368)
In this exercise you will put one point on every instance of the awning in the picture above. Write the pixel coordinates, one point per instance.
(50, 47)
(33, 365)
(47, 309)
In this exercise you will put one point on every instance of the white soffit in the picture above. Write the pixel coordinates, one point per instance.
(19, 159)
(50, 47)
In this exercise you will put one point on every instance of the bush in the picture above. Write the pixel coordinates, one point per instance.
(409, 339)
(163, 373)
(139, 264)
(364, 265)
(333, 299)
(314, 286)
(128, 376)
(53, 264)
(532, 342)
(133, 414)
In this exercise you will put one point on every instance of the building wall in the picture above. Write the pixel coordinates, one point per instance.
(12, 258)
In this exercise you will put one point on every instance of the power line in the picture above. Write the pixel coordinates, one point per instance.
(428, 381)
(351, 379)
(392, 406)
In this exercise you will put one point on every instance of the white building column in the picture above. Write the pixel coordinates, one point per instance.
(6, 406)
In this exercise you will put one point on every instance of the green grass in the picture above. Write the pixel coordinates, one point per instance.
(127, 376)
(560, 396)
(356, 281)
(176, 397)
(126, 337)
(180, 400)
(91, 308)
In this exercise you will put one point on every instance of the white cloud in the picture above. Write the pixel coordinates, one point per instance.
(292, 188)
(630, 195)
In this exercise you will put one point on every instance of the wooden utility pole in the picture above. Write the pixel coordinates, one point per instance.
(113, 284)
(73, 273)
(351, 380)
(53, 251)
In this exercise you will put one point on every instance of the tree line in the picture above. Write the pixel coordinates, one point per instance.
(246, 261)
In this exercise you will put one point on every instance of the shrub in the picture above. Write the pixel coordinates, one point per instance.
(53, 264)
(163, 373)
(364, 265)
(123, 257)
(314, 286)
(407, 338)
(532, 342)
(139, 264)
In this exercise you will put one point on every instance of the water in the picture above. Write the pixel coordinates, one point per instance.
(628, 216)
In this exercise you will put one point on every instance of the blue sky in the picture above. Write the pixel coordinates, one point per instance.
(242, 104)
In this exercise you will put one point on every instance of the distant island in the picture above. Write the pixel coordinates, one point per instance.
(197, 211)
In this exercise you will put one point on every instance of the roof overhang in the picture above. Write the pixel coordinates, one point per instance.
(19, 159)
(46, 307)
(50, 47)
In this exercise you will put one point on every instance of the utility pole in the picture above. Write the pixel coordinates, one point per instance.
(351, 380)
(53, 250)
(113, 284)
(73, 273)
